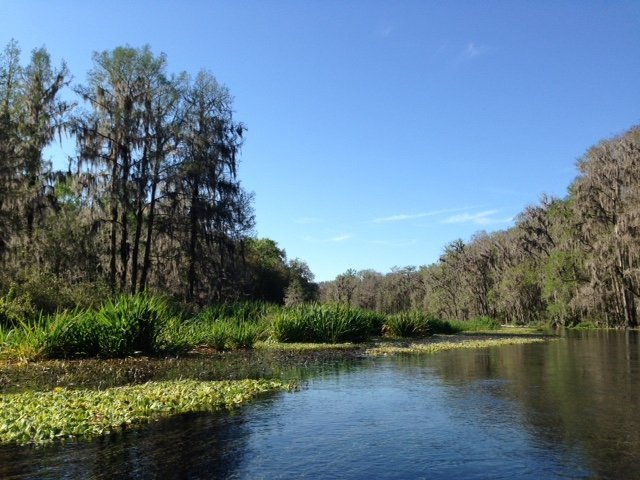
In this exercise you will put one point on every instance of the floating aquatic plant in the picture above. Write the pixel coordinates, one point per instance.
(43, 417)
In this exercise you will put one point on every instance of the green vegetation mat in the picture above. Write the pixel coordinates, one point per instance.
(42, 417)
(433, 347)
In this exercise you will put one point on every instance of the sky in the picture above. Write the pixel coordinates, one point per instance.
(380, 131)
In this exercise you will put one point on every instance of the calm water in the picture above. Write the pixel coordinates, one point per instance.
(564, 409)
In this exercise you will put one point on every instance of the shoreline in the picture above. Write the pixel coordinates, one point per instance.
(57, 400)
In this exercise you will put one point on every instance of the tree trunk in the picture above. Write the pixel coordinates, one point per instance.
(193, 239)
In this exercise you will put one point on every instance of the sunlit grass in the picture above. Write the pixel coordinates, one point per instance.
(324, 324)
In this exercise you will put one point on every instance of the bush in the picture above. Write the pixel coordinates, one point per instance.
(16, 309)
(438, 326)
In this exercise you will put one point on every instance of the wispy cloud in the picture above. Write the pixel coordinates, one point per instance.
(480, 218)
(385, 30)
(400, 217)
(471, 51)
(340, 238)
(413, 216)
(334, 239)
(387, 243)
(308, 220)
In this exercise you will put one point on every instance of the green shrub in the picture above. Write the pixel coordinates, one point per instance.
(244, 335)
(229, 326)
(443, 327)
(49, 293)
(239, 311)
(15, 309)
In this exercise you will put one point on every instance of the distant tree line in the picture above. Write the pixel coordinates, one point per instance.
(566, 261)
(151, 198)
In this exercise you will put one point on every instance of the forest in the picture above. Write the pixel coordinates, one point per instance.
(567, 261)
(151, 201)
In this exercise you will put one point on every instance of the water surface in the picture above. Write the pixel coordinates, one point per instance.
(563, 409)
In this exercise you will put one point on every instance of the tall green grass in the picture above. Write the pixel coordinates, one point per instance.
(324, 324)
(126, 325)
(144, 324)
(23, 342)
(476, 324)
(230, 326)
(416, 324)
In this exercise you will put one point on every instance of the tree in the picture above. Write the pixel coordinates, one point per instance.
(266, 270)
(215, 209)
(31, 113)
(114, 141)
(607, 208)
(301, 288)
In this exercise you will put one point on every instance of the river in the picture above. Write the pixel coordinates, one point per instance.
(567, 408)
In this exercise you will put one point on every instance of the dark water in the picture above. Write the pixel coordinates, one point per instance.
(564, 409)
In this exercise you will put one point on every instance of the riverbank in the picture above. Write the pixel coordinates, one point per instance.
(47, 401)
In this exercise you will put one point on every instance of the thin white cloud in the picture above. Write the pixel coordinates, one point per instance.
(335, 239)
(394, 244)
(471, 51)
(400, 217)
(308, 220)
(413, 216)
(385, 30)
(340, 238)
(480, 218)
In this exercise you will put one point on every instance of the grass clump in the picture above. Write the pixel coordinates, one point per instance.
(43, 417)
(416, 324)
(407, 324)
(126, 325)
(477, 324)
(230, 327)
(323, 324)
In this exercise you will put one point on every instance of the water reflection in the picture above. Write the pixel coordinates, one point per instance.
(564, 409)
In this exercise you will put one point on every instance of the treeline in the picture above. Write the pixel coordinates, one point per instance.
(566, 261)
(151, 199)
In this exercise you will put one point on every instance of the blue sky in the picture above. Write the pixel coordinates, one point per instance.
(379, 131)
